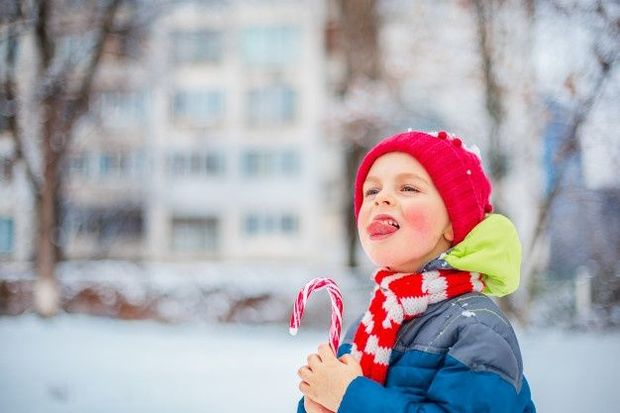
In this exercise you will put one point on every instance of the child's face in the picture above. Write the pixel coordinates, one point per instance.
(403, 222)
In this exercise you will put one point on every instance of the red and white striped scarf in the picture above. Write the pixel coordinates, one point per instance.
(399, 297)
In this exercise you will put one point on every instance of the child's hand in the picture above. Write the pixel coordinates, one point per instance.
(313, 407)
(325, 379)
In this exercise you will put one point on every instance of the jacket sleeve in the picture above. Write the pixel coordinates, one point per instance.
(481, 385)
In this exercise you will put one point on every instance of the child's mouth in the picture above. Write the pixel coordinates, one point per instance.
(382, 227)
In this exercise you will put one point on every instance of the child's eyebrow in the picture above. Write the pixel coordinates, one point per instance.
(399, 176)
(412, 176)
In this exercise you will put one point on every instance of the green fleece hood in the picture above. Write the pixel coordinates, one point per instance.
(492, 249)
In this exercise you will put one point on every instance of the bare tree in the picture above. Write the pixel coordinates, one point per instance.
(503, 91)
(494, 99)
(604, 54)
(357, 28)
(61, 90)
(598, 16)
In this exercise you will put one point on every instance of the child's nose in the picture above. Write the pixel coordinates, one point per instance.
(383, 198)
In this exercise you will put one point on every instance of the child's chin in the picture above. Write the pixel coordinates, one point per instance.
(388, 262)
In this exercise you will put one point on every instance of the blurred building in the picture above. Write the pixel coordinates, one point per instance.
(584, 222)
(207, 137)
(204, 141)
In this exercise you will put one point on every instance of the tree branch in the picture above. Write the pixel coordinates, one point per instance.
(10, 96)
(43, 38)
(79, 105)
(493, 93)
(570, 146)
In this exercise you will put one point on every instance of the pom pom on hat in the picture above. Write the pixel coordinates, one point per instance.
(456, 172)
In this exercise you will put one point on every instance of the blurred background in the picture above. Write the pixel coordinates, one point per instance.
(173, 171)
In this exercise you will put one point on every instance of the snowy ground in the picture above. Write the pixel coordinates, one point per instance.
(85, 364)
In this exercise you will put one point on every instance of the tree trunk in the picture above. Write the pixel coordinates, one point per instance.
(46, 294)
(353, 156)
(494, 99)
(360, 25)
(60, 110)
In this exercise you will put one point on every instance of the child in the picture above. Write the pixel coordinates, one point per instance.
(430, 341)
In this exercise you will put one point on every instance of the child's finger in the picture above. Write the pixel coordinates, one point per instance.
(348, 359)
(314, 360)
(304, 373)
(326, 352)
(304, 387)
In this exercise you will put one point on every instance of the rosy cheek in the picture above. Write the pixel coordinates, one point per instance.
(419, 220)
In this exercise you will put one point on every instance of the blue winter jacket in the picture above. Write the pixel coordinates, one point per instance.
(461, 355)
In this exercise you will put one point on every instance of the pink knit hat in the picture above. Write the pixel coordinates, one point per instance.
(455, 170)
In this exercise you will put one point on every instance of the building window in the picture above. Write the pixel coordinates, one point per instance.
(261, 163)
(289, 162)
(6, 235)
(270, 224)
(198, 108)
(195, 234)
(106, 165)
(119, 165)
(270, 46)
(196, 164)
(201, 46)
(251, 225)
(214, 164)
(271, 106)
(122, 108)
(106, 224)
(111, 165)
(289, 224)
(79, 165)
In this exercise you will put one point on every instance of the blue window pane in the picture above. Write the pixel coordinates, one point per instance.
(79, 165)
(199, 107)
(214, 164)
(251, 163)
(123, 108)
(106, 164)
(270, 224)
(195, 164)
(195, 234)
(289, 163)
(203, 46)
(273, 105)
(251, 225)
(6, 235)
(289, 224)
(271, 163)
(270, 46)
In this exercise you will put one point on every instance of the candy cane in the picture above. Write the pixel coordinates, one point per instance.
(336, 297)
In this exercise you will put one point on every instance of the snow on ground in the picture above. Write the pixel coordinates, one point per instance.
(84, 364)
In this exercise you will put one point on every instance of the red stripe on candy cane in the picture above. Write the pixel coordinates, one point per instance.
(337, 307)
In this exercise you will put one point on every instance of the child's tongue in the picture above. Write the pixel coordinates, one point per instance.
(381, 228)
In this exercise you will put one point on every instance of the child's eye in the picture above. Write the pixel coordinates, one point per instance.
(371, 191)
(409, 188)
